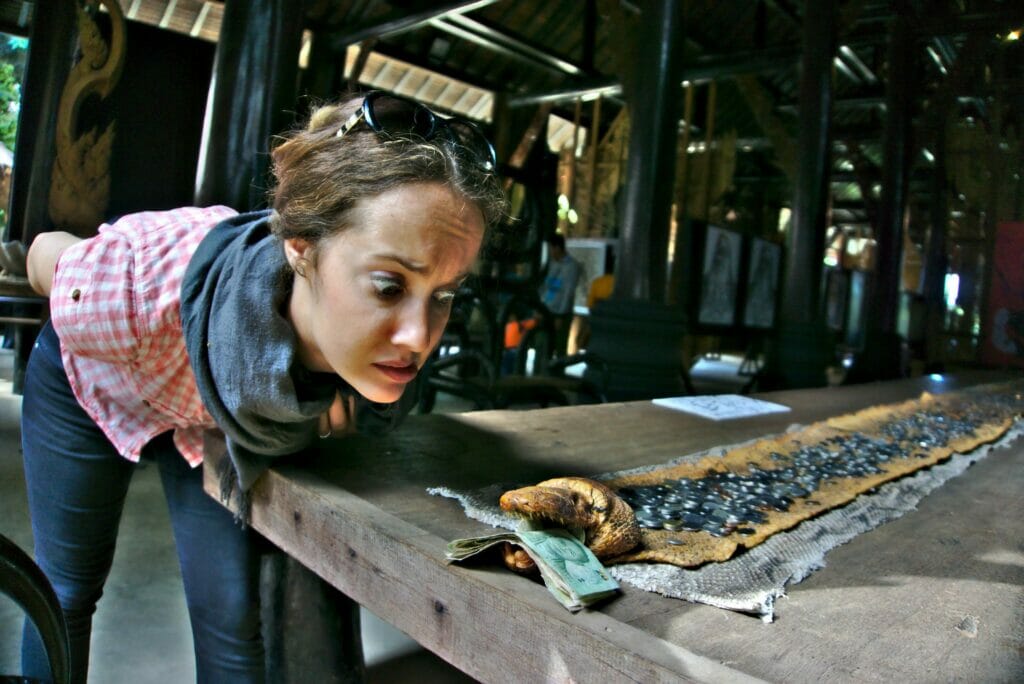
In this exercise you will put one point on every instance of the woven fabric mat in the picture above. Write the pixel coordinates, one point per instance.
(749, 576)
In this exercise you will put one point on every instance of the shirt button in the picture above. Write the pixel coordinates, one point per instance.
(76, 294)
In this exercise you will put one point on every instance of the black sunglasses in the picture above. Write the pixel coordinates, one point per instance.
(396, 116)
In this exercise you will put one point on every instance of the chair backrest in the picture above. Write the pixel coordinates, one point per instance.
(23, 581)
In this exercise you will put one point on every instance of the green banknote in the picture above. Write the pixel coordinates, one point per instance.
(571, 571)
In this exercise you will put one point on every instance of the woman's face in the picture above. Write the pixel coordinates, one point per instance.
(373, 307)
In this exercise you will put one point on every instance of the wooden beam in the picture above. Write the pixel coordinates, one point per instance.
(526, 143)
(401, 20)
(165, 19)
(197, 25)
(365, 48)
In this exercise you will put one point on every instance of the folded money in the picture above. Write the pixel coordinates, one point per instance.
(571, 571)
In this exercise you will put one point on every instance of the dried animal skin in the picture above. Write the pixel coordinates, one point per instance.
(608, 522)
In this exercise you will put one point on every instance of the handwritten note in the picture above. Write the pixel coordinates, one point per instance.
(721, 406)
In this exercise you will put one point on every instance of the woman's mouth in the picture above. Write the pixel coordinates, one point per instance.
(398, 373)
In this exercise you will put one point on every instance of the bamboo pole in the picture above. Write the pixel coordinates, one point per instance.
(595, 143)
(677, 237)
(709, 137)
(684, 166)
(575, 143)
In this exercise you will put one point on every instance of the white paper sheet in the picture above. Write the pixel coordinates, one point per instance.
(721, 406)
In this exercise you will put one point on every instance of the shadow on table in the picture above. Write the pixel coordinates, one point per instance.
(440, 449)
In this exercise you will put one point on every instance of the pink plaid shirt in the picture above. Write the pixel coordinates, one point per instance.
(115, 304)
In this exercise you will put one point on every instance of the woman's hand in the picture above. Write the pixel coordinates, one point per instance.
(43, 254)
(340, 418)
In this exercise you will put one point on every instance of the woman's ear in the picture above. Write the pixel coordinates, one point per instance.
(296, 249)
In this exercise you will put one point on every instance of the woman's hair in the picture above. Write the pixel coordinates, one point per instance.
(320, 176)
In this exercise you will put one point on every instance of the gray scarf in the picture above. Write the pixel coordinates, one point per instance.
(243, 352)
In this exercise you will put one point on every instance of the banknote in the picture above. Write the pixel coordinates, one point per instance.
(571, 571)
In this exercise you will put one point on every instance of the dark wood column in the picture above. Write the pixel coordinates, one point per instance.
(881, 357)
(935, 260)
(802, 347)
(51, 54)
(653, 97)
(251, 97)
(635, 332)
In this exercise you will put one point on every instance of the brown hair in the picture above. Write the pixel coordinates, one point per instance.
(320, 176)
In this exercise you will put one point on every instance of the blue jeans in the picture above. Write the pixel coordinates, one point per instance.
(77, 485)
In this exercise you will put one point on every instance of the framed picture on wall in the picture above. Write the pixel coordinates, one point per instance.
(719, 277)
(1003, 338)
(762, 283)
(592, 255)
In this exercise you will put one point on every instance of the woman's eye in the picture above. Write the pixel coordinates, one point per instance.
(387, 288)
(444, 297)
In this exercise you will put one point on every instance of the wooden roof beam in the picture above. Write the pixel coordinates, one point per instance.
(402, 20)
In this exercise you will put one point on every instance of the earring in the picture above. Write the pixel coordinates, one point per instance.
(300, 266)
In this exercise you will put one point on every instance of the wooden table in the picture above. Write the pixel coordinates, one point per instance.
(886, 608)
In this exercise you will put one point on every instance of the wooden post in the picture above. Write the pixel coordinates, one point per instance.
(253, 91)
(881, 358)
(575, 142)
(654, 128)
(680, 238)
(636, 334)
(51, 48)
(709, 141)
(801, 348)
(935, 261)
(595, 144)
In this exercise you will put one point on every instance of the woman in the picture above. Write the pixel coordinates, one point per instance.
(274, 327)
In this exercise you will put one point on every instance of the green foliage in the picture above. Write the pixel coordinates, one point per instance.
(10, 102)
(13, 51)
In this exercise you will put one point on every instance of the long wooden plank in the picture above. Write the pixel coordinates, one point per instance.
(355, 511)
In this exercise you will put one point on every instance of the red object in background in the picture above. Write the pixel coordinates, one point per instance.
(514, 331)
(1003, 342)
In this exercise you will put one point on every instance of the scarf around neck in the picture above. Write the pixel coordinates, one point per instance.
(243, 351)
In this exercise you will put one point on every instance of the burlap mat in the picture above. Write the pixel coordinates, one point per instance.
(772, 556)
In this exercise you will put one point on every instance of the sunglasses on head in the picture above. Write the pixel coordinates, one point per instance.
(394, 116)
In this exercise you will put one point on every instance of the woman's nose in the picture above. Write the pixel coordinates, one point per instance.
(412, 329)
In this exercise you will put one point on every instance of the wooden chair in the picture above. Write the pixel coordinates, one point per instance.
(475, 371)
(23, 581)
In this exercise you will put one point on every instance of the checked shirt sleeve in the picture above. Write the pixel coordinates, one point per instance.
(92, 305)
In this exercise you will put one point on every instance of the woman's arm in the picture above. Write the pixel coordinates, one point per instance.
(42, 258)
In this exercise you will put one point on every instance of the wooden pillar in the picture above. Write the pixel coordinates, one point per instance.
(51, 53)
(592, 153)
(802, 346)
(635, 332)
(251, 96)
(312, 632)
(678, 289)
(935, 259)
(881, 357)
(653, 103)
(520, 142)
